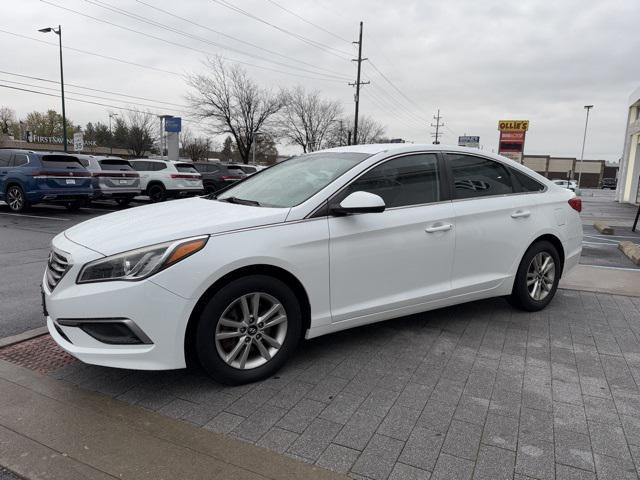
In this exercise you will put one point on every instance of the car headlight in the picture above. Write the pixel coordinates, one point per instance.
(140, 263)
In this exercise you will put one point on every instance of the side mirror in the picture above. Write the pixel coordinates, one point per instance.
(359, 202)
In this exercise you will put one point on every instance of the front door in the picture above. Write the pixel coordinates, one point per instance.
(400, 258)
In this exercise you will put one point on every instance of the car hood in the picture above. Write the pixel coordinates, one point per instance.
(151, 224)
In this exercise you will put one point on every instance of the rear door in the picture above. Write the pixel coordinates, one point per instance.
(5, 157)
(493, 222)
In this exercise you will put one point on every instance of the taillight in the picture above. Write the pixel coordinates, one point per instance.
(576, 204)
(230, 177)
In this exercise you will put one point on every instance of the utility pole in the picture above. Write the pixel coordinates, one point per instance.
(111, 114)
(584, 140)
(437, 126)
(357, 85)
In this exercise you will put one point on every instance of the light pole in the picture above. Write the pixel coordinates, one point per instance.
(64, 115)
(584, 140)
(111, 132)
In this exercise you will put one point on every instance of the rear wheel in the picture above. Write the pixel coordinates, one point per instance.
(16, 199)
(248, 330)
(75, 205)
(123, 202)
(537, 278)
(157, 193)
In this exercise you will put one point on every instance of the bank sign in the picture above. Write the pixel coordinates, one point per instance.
(56, 140)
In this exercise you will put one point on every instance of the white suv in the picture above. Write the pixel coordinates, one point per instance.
(162, 179)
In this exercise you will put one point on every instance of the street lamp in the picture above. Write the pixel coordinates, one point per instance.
(110, 132)
(64, 116)
(584, 139)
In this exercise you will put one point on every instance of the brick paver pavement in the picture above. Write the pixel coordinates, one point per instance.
(478, 391)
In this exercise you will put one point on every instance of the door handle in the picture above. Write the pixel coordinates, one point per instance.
(520, 214)
(438, 228)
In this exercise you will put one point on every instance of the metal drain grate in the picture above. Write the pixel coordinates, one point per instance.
(41, 354)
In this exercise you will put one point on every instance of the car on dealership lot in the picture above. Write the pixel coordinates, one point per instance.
(245, 169)
(611, 183)
(113, 178)
(28, 177)
(319, 243)
(568, 184)
(162, 179)
(216, 175)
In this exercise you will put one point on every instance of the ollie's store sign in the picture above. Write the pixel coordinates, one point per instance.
(512, 136)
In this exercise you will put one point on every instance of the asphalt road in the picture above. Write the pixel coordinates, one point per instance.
(25, 239)
(24, 247)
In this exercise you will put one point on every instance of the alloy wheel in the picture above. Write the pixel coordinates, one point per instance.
(15, 199)
(251, 330)
(541, 275)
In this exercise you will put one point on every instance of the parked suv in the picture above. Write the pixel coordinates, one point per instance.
(113, 178)
(162, 179)
(216, 176)
(28, 177)
(244, 169)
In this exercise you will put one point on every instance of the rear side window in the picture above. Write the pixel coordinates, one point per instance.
(478, 177)
(249, 169)
(19, 159)
(527, 184)
(185, 168)
(5, 156)
(158, 166)
(60, 161)
(84, 162)
(115, 165)
(410, 180)
(235, 169)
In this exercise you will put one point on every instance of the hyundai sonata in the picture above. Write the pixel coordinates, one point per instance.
(318, 243)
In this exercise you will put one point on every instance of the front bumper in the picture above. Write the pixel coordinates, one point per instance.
(159, 314)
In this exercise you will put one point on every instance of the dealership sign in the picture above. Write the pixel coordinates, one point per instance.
(469, 141)
(512, 136)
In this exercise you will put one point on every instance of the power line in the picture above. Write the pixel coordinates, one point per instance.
(95, 96)
(318, 45)
(185, 46)
(83, 101)
(143, 19)
(390, 108)
(107, 57)
(92, 89)
(309, 22)
(400, 107)
(273, 52)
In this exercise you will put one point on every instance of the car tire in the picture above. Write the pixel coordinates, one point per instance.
(123, 202)
(233, 344)
(75, 205)
(536, 281)
(16, 199)
(157, 193)
(209, 189)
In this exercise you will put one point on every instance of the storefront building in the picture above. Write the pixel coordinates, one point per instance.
(628, 186)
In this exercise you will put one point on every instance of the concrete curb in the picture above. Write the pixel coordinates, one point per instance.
(21, 337)
(631, 250)
(604, 228)
(613, 281)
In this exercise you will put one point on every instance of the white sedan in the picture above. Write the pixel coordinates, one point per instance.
(318, 243)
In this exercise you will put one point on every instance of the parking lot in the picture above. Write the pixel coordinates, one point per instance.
(475, 391)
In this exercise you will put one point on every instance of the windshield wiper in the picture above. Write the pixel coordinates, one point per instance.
(240, 201)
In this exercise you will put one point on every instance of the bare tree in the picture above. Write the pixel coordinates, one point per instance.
(307, 120)
(196, 148)
(7, 119)
(234, 103)
(136, 132)
(369, 131)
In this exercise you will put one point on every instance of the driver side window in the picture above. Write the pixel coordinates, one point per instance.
(403, 181)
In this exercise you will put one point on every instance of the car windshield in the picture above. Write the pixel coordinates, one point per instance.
(293, 181)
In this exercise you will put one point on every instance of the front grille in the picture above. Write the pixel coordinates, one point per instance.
(57, 266)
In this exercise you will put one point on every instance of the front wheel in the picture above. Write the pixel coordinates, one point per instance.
(537, 278)
(16, 199)
(248, 329)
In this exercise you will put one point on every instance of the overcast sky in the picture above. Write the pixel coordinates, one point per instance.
(478, 61)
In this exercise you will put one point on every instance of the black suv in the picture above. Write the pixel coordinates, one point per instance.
(215, 176)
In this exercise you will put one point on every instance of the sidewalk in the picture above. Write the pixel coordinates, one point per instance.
(614, 281)
(52, 430)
